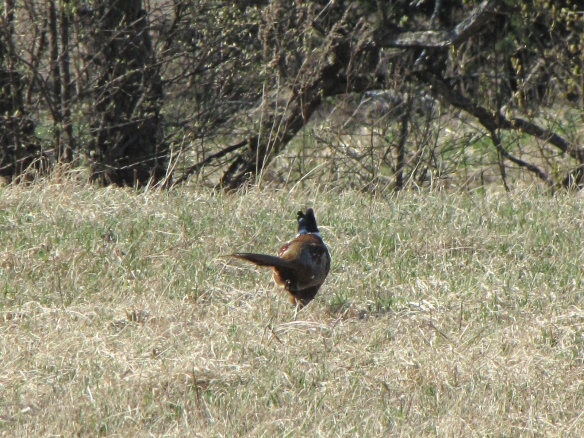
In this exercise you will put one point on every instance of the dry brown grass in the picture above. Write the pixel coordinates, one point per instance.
(443, 315)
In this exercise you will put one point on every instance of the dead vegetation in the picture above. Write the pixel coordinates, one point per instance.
(444, 314)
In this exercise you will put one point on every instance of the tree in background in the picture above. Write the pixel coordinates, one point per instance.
(127, 146)
(502, 67)
(373, 95)
(59, 97)
(19, 150)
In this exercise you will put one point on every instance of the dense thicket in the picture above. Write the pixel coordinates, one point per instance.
(375, 95)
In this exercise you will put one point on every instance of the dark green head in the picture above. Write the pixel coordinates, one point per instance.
(307, 222)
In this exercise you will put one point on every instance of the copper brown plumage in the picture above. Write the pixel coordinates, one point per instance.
(301, 265)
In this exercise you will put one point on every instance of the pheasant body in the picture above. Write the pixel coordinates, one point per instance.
(301, 265)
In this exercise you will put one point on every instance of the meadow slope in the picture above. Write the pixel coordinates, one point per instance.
(443, 315)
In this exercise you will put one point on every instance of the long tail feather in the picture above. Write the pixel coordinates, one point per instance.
(264, 260)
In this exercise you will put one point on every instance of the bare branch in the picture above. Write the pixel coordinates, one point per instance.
(481, 15)
(544, 134)
(198, 166)
(493, 121)
(531, 167)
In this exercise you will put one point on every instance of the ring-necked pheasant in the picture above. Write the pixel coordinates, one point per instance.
(301, 265)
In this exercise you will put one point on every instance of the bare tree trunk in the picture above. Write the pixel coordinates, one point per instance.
(326, 79)
(18, 151)
(401, 146)
(68, 145)
(128, 147)
(55, 75)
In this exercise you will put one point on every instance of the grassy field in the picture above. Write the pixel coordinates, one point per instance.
(443, 315)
